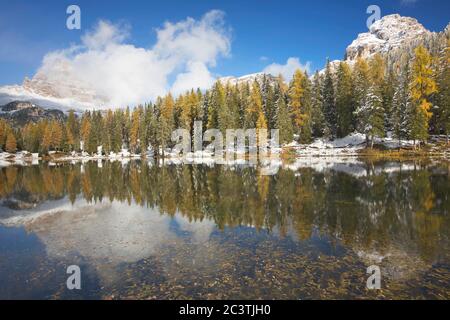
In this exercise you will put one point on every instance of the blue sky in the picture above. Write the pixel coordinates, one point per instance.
(261, 32)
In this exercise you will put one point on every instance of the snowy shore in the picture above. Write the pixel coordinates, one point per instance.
(349, 147)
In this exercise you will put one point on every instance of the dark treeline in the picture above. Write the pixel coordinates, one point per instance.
(407, 96)
(365, 211)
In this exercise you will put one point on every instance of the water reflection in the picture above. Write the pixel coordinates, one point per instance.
(196, 231)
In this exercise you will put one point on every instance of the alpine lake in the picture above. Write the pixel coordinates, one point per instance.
(149, 230)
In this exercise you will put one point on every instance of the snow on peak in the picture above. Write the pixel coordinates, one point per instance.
(249, 78)
(390, 32)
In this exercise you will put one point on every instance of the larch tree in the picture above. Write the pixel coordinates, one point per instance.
(361, 84)
(422, 86)
(299, 105)
(11, 143)
(255, 117)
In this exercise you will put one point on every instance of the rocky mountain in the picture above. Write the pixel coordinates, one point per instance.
(19, 113)
(387, 34)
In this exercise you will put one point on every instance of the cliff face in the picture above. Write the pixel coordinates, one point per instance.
(19, 113)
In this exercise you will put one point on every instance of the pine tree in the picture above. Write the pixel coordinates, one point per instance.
(268, 96)
(422, 86)
(401, 104)
(317, 117)
(344, 100)
(306, 102)
(388, 91)
(443, 97)
(329, 105)
(371, 114)
(216, 105)
(283, 121)
(166, 121)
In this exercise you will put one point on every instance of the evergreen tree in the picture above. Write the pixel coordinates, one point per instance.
(306, 102)
(268, 96)
(329, 105)
(283, 121)
(371, 114)
(166, 122)
(442, 98)
(344, 100)
(317, 117)
(401, 104)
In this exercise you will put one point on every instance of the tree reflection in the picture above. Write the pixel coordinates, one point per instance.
(365, 211)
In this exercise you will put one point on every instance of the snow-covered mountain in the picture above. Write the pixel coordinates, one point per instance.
(20, 113)
(250, 78)
(389, 33)
(58, 89)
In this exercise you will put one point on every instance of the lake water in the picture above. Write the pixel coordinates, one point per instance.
(150, 231)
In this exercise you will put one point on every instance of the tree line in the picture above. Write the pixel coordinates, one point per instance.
(408, 98)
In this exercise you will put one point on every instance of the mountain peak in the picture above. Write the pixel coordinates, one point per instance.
(390, 32)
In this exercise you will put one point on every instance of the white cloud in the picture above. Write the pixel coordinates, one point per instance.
(124, 74)
(197, 76)
(287, 70)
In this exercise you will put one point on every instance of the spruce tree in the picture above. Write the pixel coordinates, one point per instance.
(283, 121)
(344, 100)
(329, 105)
(317, 117)
(401, 104)
(442, 98)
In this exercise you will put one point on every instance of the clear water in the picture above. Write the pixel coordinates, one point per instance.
(146, 231)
